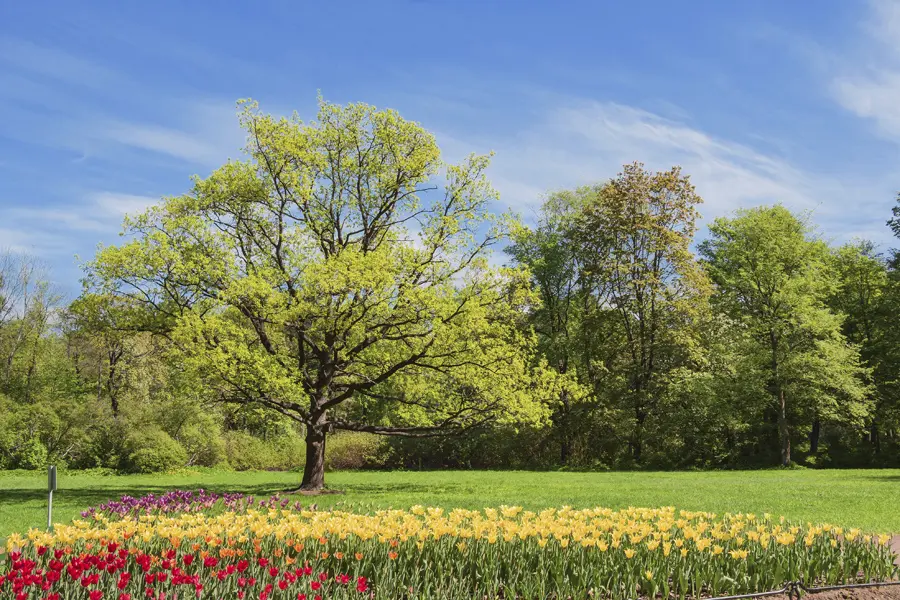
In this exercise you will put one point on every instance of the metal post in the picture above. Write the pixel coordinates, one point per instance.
(51, 487)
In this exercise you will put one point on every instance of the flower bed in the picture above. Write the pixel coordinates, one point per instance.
(429, 553)
(185, 501)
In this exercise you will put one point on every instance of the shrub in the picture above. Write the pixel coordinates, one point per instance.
(288, 453)
(152, 450)
(282, 453)
(202, 440)
(355, 450)
(244, 451)
(20, 442)
(31, 454)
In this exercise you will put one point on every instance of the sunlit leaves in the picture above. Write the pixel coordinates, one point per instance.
(330, 272)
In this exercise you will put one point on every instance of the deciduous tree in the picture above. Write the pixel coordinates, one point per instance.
(552, 260)
(326, 278)
(773, 276)
(634, 235)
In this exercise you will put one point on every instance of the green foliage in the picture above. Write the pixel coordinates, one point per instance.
(152, 450)
(356, 450)
(313, 279)
(346, 450)
(612, 262)
(29, 453)
(246, 452)
(203, 442)
(28, 435)
(499, 447)
(774, 279)
(894, 221)
(646, 286)
(323, 290)
(558, 311)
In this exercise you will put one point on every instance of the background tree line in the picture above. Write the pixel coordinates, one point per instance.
(765, 347)
(313, 290)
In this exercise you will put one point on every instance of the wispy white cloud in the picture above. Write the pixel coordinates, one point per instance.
(199, 132)
(164, 140)
(44, 218)
(36, 242)
(56, 230)
(54, 64)
(874, 96)
(109, 132)
(62, 100)
(573, 141)
(13, 241)
(117, 205)
(869, 84)
(578, 142)
(727, 174)
(884, 23)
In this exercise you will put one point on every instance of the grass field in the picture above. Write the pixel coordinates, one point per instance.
(869, 499)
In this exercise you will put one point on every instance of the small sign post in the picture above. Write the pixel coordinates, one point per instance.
(51, 487)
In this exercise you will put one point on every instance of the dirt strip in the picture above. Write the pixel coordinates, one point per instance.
(885, 593)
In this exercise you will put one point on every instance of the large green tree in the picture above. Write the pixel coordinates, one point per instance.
(315, 278)
(634, 235)
(103, 347)
(555, 269)
(862, 296)
(28, 305)
(861, 274)
(773, 276)
(886, 353)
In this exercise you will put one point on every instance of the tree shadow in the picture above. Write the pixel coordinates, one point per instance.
(87, 497)
(391, 488)
(83, 498)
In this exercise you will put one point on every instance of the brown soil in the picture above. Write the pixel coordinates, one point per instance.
(874, 593)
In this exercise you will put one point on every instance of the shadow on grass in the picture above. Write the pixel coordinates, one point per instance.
(83, 498)
(391, 488)
(96, 495)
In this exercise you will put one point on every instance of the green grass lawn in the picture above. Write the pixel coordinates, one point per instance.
(868, 499)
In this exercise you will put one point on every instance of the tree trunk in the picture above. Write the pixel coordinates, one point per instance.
(32, 367)
(564, 445)
(637, 444)
(314, 470)
(564, 450)
(784, 431)
(111, 384)
(814, 437)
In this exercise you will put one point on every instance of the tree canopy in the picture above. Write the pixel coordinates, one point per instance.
(774, 279)
(340, 283)
(321, 278)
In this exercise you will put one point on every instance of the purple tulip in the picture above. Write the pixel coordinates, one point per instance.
(179, 501)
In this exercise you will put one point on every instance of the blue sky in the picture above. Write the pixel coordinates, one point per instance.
(108, 107)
